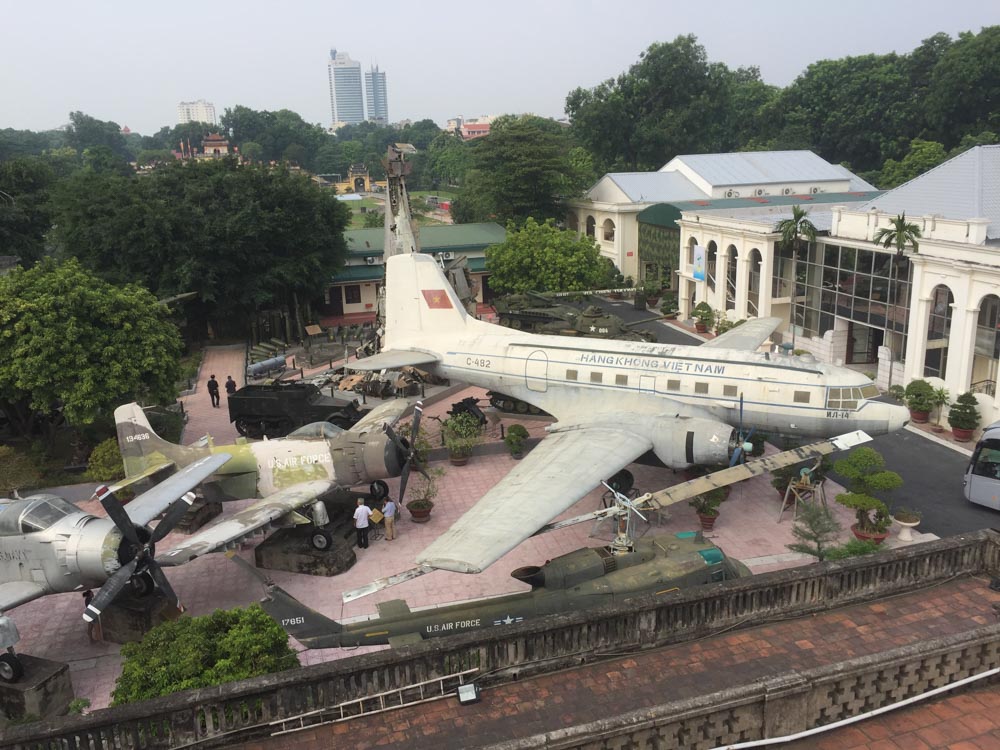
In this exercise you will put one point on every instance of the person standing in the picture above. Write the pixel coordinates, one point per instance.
(213, 391)
(361, 514)
(389, 512)
(230, 386)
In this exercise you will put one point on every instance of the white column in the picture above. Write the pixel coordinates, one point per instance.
(961, 349)
(916, 339)
(742, 285)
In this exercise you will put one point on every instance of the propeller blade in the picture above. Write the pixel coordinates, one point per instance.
(403, 479)
(418, 410)
(173, 516)
(116, 512)
(161, 580)
(111, 588)
(395, 439)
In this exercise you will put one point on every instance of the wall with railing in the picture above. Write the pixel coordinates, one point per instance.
(216, 717)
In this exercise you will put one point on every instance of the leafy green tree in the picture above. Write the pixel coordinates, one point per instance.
(540, 257)
(522, 163)
(252, 150)
(373, 220)
(14, 143)
(900, 235)
(25, 216)
(70, 340)
(815, 530)
(88, 132)
(963, 96)
(197, 652)
(448, 160)
(923, 156)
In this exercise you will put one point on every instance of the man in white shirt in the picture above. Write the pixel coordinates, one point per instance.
(389, 511)
(361, 514)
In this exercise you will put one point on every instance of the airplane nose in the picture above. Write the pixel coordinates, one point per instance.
(899, 417)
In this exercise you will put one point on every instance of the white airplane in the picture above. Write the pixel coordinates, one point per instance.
(614, 401)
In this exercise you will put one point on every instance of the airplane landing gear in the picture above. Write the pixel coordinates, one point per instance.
(11, 668)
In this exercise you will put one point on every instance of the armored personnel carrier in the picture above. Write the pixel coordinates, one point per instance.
(275, 410)
(539, 314)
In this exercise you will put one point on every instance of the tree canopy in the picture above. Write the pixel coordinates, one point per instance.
(70, 340)
(197, 652)
(243, 237)
(540, 257)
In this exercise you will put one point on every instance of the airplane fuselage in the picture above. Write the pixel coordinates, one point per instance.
(782, 395)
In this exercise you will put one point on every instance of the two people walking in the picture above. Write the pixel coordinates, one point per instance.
(213, 389)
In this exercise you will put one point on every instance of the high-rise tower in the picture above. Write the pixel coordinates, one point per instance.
(347, 104)
(378, 98)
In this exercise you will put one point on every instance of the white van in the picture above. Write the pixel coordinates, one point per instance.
(982, 477)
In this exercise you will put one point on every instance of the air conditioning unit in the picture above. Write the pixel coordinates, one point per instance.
(815, 190)
(759, 192)
(787, 191)
(447, 256)
(732, 194)
(371, 260)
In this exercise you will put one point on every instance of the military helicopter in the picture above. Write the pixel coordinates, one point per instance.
(580, 580)
(320, 456)
(49, 546)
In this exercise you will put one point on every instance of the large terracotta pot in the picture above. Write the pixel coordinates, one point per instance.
(866, 537)
(962, 436)
(920, 417)
(420, 515)
(701, 327)
(707, 522)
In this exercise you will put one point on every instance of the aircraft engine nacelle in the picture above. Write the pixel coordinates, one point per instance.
(694, 441)
(374, 457)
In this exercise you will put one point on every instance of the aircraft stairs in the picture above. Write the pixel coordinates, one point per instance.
(410, 695)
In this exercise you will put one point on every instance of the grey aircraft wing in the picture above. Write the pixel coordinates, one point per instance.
(154, 501)
(245, 523)
(745, 337)
(559, 471)
(16, 593)
(393, 360)
(384, 414)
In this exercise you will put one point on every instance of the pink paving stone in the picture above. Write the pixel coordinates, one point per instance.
(53, 628)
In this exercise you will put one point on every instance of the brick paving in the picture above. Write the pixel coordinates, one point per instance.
(646, 679)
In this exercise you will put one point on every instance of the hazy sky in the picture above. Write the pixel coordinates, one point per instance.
(132, 62)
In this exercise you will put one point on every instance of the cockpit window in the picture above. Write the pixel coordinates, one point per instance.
(869, 391)
(316, 431)
(846, 397)
(42, 512)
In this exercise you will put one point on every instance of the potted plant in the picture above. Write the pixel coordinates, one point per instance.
(651, 288)
(919, 396)
(909, 519)
(668, 305)
(515, 439)
(461, 433)
(706, 505)
(964, 417)
(703, 316)
(940, 397)
(424, 490)
(897, 392)
(864, 469)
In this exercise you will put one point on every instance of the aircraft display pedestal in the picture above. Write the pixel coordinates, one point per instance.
(128, 618)
(199, 514)
(291, 550)
(44, 691)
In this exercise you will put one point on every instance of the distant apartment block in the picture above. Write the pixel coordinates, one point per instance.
(471, 127)
(377, 96)
(199, 111)
(347, 106)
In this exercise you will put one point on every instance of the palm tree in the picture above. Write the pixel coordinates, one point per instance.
(792, 232)
(899, 235)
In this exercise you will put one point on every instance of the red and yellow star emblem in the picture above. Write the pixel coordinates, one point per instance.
(437, 299)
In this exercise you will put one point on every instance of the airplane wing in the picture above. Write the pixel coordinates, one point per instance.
(558, 472)
(148, 473)
(747, 336)
(246, 522)
(384, 414)
(16, 593)
(154, 501)
(393, 360)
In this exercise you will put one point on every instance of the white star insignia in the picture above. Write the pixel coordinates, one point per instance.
(508, 620)
(593, 328)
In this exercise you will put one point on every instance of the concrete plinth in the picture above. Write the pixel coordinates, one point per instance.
(128, 618)
(44, 692)
(200, 513)
(291, 550)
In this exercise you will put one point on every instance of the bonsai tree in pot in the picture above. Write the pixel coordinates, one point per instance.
(706, 505)
(964, 417)
(668, 305)
(703, 316)
(864, 469)
(919, 396)
(424, 490)
(515, 439)
(940, 397)
(461, 433)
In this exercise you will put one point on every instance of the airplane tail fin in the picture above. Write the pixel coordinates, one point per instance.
(420, 300)
(305, 625)
(143, 451)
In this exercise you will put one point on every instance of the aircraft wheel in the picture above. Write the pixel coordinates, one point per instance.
(379, 490)
(11, 669)
(242, 427)
(321, 540)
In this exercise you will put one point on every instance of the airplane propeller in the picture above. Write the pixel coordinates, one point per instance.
(743, 446)
(143, 560)
(410, 451)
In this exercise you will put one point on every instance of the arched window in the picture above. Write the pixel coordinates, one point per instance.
(710, 258)
(572, 222)
(591, 226)
(609, 230)
(731, 277)
(753, 284)
(987, 346)
(938, 332)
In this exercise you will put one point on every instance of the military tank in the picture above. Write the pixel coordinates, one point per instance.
(537, 313)
(277, 409)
